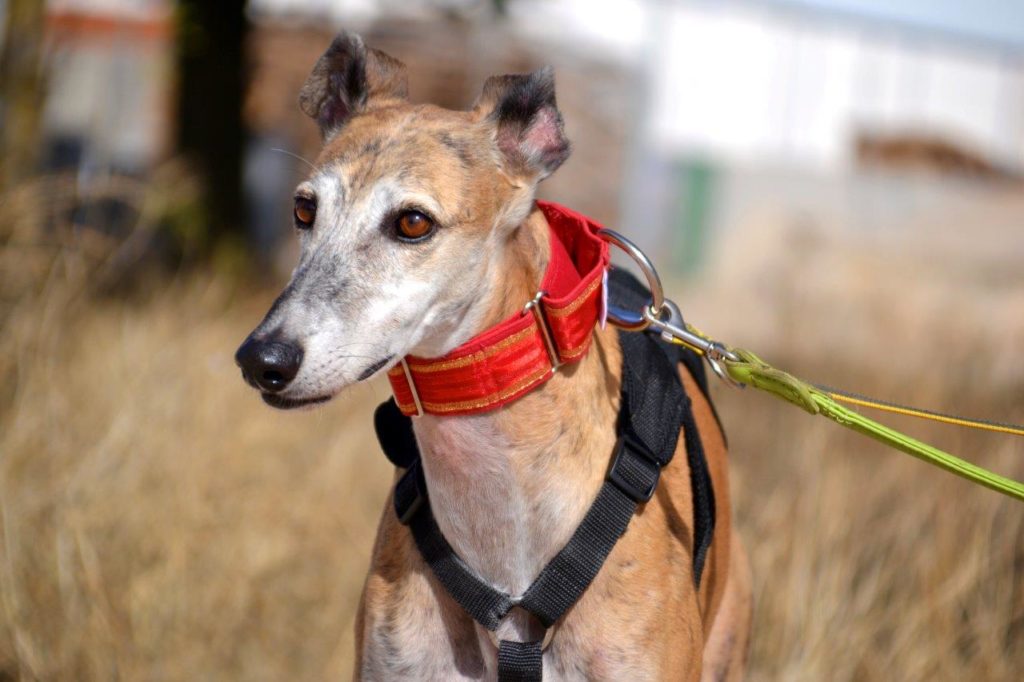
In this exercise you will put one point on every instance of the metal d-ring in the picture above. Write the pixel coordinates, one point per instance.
(627, 319)
(715, 355)
(549, 634)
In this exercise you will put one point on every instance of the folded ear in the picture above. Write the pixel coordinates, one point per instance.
(348, 79)
(529, 129)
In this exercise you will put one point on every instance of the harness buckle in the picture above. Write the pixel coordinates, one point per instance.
(634, 471)
(536, 307)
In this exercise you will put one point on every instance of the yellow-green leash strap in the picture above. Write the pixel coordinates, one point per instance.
(752, 371)
(744, 368)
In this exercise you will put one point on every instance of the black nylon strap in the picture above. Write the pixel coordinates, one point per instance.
(567, 576)
(654, 397)
(561, 583)
(703, 494)
(653, 408)
(410, 493)
(519, 661)
(653, 400)
(626, 291)
(394, 431)
(485, 604)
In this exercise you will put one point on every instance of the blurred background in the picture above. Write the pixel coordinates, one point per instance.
(835, 184)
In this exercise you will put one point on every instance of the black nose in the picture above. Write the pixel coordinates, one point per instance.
(269, 365)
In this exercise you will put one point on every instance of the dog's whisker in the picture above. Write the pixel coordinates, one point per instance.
(356, 357)
(296, 156)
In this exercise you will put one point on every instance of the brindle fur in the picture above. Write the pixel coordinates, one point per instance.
(507, 487)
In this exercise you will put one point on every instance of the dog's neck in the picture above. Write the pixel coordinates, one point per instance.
(509, 487)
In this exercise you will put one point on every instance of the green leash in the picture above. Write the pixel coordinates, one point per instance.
(753, 371)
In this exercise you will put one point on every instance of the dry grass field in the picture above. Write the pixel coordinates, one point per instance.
(158, 522)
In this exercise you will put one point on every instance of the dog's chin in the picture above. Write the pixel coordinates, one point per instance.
(282, 403)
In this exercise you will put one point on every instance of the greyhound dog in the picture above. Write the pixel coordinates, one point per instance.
(419, 229)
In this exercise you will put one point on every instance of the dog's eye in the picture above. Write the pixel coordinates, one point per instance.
(305, 213)
(413, 226)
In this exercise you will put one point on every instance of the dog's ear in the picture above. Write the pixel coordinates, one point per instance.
(349, 78)
(529, 130)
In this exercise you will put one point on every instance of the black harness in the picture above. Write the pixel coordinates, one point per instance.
(654, 408)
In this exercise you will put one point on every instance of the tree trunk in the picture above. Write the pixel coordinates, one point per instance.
(212, 77)
(22, 90)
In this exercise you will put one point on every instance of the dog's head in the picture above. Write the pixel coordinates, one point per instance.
(402, 224)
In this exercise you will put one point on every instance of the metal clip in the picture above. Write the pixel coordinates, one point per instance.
(653, 314)
(542, 321)
(549, 633)
(412, 388)
(674, 329)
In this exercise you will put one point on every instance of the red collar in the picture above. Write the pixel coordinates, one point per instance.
(514, 357)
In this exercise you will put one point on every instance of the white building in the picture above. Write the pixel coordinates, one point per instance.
(753, 82)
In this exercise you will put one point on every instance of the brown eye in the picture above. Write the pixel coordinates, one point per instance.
(413, 225)
(305, 213)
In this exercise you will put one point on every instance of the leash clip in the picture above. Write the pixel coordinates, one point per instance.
(672, 328)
